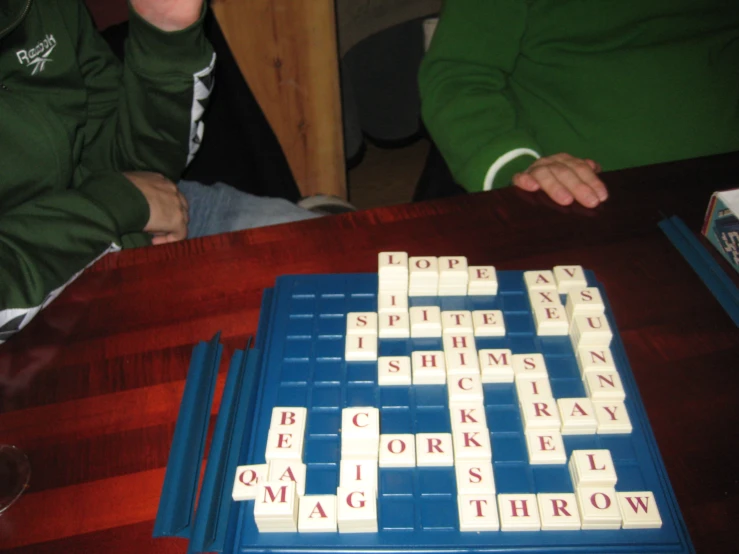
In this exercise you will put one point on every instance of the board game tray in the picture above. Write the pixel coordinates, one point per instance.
(298, 360)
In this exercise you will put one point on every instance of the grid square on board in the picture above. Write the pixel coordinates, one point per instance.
(302, 306)
(328, 371)
(396, 421)
(361, 303)
(297, 349)
(321, 450)
(397, 514)
(563, 366)
(449, 303)
(515, 304)
(552, 479)
(397, 481)
(323, 424)
(504, 419)
(630, 477)
(508, 447)
(567, 388)
(329, 348)
(518, 324)
(436, 481)
(513, 477)
(395, 397)
(321, 479)
(620, 446)
(555, 346)
(484, 302)
(296, 371)
(431, 396)
(299, 328)
(435, 513)
(361, 372)
(360, 394)
(330, 326)
(499, 394)
(331, 305)
(327, 397)
(292, 395)
(432, 420)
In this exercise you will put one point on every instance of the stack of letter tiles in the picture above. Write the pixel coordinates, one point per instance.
(592, 500)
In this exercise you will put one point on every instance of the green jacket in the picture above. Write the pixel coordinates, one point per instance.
(72, 118)
(624, 82)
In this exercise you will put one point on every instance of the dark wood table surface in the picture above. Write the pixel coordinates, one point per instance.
(91, 388)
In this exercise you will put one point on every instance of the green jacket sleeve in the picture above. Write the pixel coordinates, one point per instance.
(70, 230)
(141, 115)
(145, 114)
(465, 99)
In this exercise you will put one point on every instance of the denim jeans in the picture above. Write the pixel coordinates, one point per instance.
(221, 209)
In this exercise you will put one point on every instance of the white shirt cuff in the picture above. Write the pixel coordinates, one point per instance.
(502, 161)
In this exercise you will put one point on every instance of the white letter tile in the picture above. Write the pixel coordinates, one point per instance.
(429, 367)
(639, 510)
(598, 508)
(518, 512)
(578, 416)
(545, 447)
(477, 512)
(246, 481)
(317, 514)
(395, 325)
(496, 365)
(558, 511)
(569, 277)
(425, 321)
(394, 371)
(397, 450)
(434, 449)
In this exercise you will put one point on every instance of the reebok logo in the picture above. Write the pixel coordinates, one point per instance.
(38, 56)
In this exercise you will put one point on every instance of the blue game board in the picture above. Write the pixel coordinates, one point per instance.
(302, 338)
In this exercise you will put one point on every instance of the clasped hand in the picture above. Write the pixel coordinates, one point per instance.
(168, 209)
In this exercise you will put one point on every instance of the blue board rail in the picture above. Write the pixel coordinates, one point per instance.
(205, 524)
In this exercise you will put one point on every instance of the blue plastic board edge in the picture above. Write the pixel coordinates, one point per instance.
(704, 265)
(642, 419)
(246, 416)
(238, 413)
(179, 490)
(210, 503)
(244, 424)
(721, 275)
(265, 312)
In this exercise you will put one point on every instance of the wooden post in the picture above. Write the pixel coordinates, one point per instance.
(287, 52)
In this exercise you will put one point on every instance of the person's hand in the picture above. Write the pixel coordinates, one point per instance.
(168, 207)
(169, 15)
(564, 179)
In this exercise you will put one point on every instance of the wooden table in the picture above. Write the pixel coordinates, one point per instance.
(91, 388)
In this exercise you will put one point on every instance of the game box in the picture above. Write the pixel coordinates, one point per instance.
(721, 226)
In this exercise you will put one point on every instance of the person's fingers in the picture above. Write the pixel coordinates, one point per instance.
(181, 232)
(549, 178)
(595, 166)
(526, 182)
(183, 201)
(564, 179)
(160, 239)
(166, 238)
(184, 207)
(587, 184)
